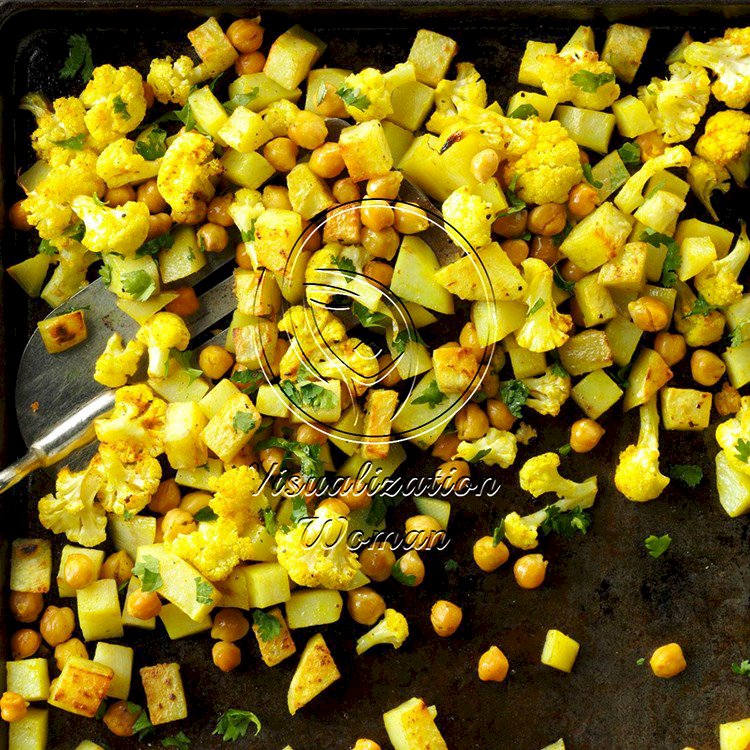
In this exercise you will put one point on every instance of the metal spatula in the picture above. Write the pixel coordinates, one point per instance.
(57, 399)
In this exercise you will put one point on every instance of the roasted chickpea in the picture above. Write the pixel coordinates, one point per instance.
(18, 217)
(276, 196)
(445, 618)
(727, 400)
(118, 566)
(166, 498)
(120, 719)
(382, 244)
(148, 93)
(471, 422)
(376, 214)
(668, 661)
(346, 190)
(308, 435)
(119, 196)
(377, 561)
(410, 219)
(229, 625)
(706, 367)
(311, 238)
(386, 186)
(544, 248)
(570, 271)
(356, 494)
(493, 665)
(530, 571)
(582, 200)
(649, 314)
(379, 272)
(176, 522)
(671, 347)
(252, 62)
(226, 656)
(484, 165)
(547, 220)
(366, 745)
(423, 532)
(245, 34)
(71, 648)
(56, 625)
(490, 384)
(412, 567)
(511, 225)
(25, 643)
(185, 303)
(585, 435)
(499, 414)
(335, 506)
(213, 238)
(281, 154)
(215, 361)
(308, 130)
(79, 571)
(651, 144)
(143, 605)
(218, 210)
(445, 446)
(488, 555)
(271, 459)
(148, 193)
(365, 606)
(195, 501)
(326, 161)
(452, 474)
(243, 256)
(158, 225)
(12, 707)
(392, 378)
(469, 339)
(25, 607)
(516, 250)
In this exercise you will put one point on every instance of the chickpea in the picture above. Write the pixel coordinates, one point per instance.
(215, 361)
(335, 506)
(445, 618)
(143, 605)
(410, 219)
(311, 239)
(25, 643)
(229, 625)
(158, 225)
(176, 522)
(245, 34)
(382, 244)
(253, 62)
(197, 214)
(308, 130)
(120, 719)
(185, 303)
(12, 707)
(471, 422)
(308, 435)
(570, 271)
(281, 154)
(651, 144)
(326, 161)
(213, 238)
(530, 571)
(512, 225)
(516, 250)
(69, 649)
(366, 745)
(490, 383)
(226, 656)
(386, 186)
(484, 165)
(379, 272)
(276, 196)
(25, 607)
(218, 210)
(346, 190)
(355, 494)
(118, 566)
(488, 555)
(195, 501)
(452, 474)
(148, 93)
(548, 219)
(18, 217)
(499, 414)
(585, 435)
(392, 378)
(376, 214)
(423, 532)
(271, 459)
(57, 624)
(727, 400)
(119, 196)
(148, 193)
(493, 665)
(469, 339)
(668, 661)
(377, 561)
(671, 347)
(544, 248)
(365, 606)
(445, 446)
(166, 497)
(706, 367)
(649, 314)
(582, 200)
(79, 571)
(243, 256)
(412, 567)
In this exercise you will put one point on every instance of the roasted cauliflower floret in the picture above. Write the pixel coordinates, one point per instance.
(187, 175)
(540, 475)
(392, 630)
(245, 208)
(69, 276)
(238, 498)
(698, 328)
(315, 552)
(544, 328)
(547, 393)
(469, 87)
(160, 333)
(726, 143)
(63, 122)
(367, 94)
(470, 215)
(734, 433)
(496, 448)
(677, 104)
(718, 283)
(120, 164)
(117, 362)
(704, 179)
(172, 80)
(120, 230)
(637, 474)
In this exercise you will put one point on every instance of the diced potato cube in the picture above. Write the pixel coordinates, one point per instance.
(89, 745)
(178, 385)
(63, 332)
(313, 607)
(455, 369)
(543, 104)
(245, 130)
(308, 193)
(399, 139)
(594, 301)
(81, 687)
(737, 360)
(271, 402)
(275, 650)
(208, 112)
(31, 566)
(587, 127)
(496, 320)
(344, 227)
(267, 584)
(253, 341)
(134, 585)
(249, 170)
(624, 48)
(411, 104)
(257, 292)
(292, 56)
(416, 276)
(431, 55)
(232, 427)
(99, 614)
(183, 444)
(120, 660)
(597, 238)
(29, 678)
(30, 733)
(264, 89)
(380, 406)
(233, 589)
(31, 273)
(525, 364)
(733, 487)
(650, 372)
(695, 254)
(665, 180)
(315, 672)
(213, 47)
(528, 72)
(685, 409)
(217, 397)
(440, 510)
(276, 232)
(365, 151)
(411, 726)
(660, 211)
(179, 625)
(632, 117)
(623, 336)
(722, 238)
(596, 393)
(560, 745)
(734, 735)
(183, 258)
(560, 651)
(628, 270)
(374, 473)
(165, 695)
(95, 555)
(611, 172)
(586, 351)
(200, 478)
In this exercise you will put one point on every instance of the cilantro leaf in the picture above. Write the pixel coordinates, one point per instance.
(515, 204)
(147, 572)
(591, 82)
(536, 307)
(379, 508)
(206, 513)
(742, 450)
(354, 98)
(269, 521)
(498, 533)
(143, 726)
(673, 258)
(307, 454)
(250, 378)
(558, 370)
(346, 266)
(523, 112)
(701, 307)
(560, 282)
(588, 174)
(243, 421)
(139, 284)
(658, 545)
(234, 723)
(640, 662)
(450, 565)
(47, 248)
(565, 523)
(406, 579)
(742, 669)
(479, 455)
(268, 626)
(689, 474)
(737, 336)
(105, 272)
(155, 246)
(402, 338)
(180, 740)
(75, 143)
(299, 509)
(153, 146)
(203, 591)
(120, 107)
(185, 361)
(308, 394)
(630, 153)
(79, 58)
(368, 318)
(432, 396)
(565, 450)
(514, 394)
(241, 100)
(77, 231)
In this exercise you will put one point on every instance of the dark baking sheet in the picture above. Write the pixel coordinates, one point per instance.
(602, 589)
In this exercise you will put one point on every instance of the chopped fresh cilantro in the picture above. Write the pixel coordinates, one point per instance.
(180, 740)
(243, 421)
(559, 238)
(565, 523)
(77, 231)
(185, 361)
(479, 455)
(241, 100)
(630, 153)
(701, 307)
(432, 396)
(622, 375)
(105, 272)
(523, 112)
(587, 173)
(140, 285)
(346, 266)
(147, 572)
(354, 98)
(450, 566)
(672, 259)
(591, 82)
(79, 58)
(742, 669)
(203, 591)
(498, 533)
(153, 146)
(308, 394)
(234, 723)
(536, 307)
(688, 474)
(268, 626)
(307, 454)
(120, 107)
(155, 246)
(206, 513)
(403, 338)
(299, 509)
(143, 726)
(368, 318)
(560, 282)
(269, 521)
(379, 508)
(515, 204)
(514, 394)
(558, 370)
(47, 248)
(565, 450)
(406, 579)
(742, 450)
(658, 545)
(75, 143)
(250, 378)
(640, 662)
(737, 336)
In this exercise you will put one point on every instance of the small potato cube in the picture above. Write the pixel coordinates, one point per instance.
(737, 360)
(99, 612)
(245, 130)
(560, 745)
(411, 726)
(292, 56)
(276, 232)
(623, 336)
(399, 139)
(560, 651)
(586, 351)
(365, 151)
(685, 409)
(217, 397)
(201, 478)
(267, 584)
(632, 117)
(213, 47)
(183, 444)
(596, 393)
(455, 369)
(165, 695)
(254, 341)
(431, 55)
(322, 85)
(29, 678)
(315, 672)
(30, 733)
(660, 211)
(308, 193)
(495, 320)
(95, 555)
(380, 406)
(120, 660)
(209, 115)
(624, 48)
(597, 238)
(543, 104)
(343, 226)
(695, 254)
(31, 566)
(271, 401)
(528, 72)
(722, 238)
(309, 608)
(63, 332)
(257, 293)
(248, 170)
(81, 687)
(650, 372)
(89, 745)
(232, 427)
(411, 102)
(525, 364)
(233, 589)
(594, 301)
(179, 625)
(734, 735)
(628, 270)
(128, 535)
(275, 650)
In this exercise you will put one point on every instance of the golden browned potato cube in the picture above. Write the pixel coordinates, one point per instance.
(650, 372)
(31, 566)
(165, 695)
(343, 226)
(431, 55)
(213, 47)
(624, 48)
(380, 406)
(315, 672)
(81, 687)
(276, 232)
(585, 352)
(63, 331)
(183, 444)
(232, 428)
(292, 56)
(257, 292)
(308, 193)
(275, 650)
(455, 368)
(411, 726)
(252, 340)
(685, 408)
(628, 270)
(365, 150)
(597, 238)
(594, 301)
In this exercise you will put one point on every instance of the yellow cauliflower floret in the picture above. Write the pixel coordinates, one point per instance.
(367, 94)
(315, 552)
(705, 177)
(245, 208)
(120, 230)
(392, 630)
(729, 59)
(237, 498)
(470, 216)
(314, 330)
(578, 76)
(734, 432)
(718, 283)
(468, 87)
(677, 104)
(519, 533)
(540, 475)
(637, 474)
(120, 164)
(117, 362)
(114, 101)
(69, 276)
(726, 142)
(187, 175)
(545, 328)
(61, 123)
(496, 448)
(547, 393)
(161, 333)
(172, 80)
(698, 329)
